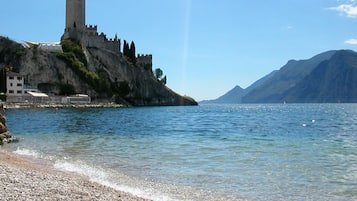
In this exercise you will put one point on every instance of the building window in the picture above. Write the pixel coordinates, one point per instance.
(19, 92)
(11, 78)
(19, 84)
(19, 78)
(11, 84)
(11, 91)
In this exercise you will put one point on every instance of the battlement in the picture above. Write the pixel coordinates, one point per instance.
(144, 58)
(92, 29)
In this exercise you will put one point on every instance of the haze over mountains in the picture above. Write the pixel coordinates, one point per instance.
(329, 77)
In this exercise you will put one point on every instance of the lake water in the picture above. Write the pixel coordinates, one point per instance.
(208, 152)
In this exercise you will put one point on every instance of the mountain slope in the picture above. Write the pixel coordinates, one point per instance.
(232, 96)
(236, 94)
(287, 77)
(334, 80)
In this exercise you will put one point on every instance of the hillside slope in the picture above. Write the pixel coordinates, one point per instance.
(236, 94)
(332, 81)
(274, 89)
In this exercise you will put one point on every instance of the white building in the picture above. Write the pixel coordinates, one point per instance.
(76, 99)
(14, 84)
(49, 47)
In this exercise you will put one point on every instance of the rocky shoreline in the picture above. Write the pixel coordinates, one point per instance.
(5, 135)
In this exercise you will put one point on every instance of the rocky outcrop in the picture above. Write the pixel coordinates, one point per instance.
(5, 135)
(116, 77)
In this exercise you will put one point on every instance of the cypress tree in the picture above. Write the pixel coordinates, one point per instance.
(125, 50)
(132, 52)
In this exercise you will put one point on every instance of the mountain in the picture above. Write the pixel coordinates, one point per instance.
(99, 72)
(274, 89)
(232, 96)
(332, 81)
(236, 94)
(329, 77)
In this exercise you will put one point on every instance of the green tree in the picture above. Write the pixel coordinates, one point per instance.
(158, 73)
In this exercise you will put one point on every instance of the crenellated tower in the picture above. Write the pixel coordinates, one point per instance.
(75, 19)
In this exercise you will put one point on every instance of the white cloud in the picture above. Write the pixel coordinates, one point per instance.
(352, 41)
(346, 9)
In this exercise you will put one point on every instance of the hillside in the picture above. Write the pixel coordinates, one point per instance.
(274, 89)
(236, 94)
(332, 81)
(329, 77)
(232, 96)
(102, 74)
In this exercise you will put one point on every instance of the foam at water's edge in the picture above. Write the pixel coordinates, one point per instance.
(27, 152)
(98, 175)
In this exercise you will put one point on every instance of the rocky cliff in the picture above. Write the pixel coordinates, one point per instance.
(100, 73)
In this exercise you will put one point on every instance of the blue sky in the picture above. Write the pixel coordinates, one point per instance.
(205, 47)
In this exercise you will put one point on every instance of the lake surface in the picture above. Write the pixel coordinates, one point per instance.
(208, 152)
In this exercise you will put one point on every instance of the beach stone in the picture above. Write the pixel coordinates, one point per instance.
(3, 128)
(2, 137)
(7, 134)
(3, 119)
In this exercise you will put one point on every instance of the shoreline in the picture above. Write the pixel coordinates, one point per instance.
(23, 179)
(37, 105)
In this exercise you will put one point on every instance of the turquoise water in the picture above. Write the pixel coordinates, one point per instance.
(209, 152)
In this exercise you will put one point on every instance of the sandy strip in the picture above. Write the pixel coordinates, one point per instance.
(21, 179)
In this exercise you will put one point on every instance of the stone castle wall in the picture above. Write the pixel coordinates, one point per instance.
(93, 39)
(144, 59)
(89, 37)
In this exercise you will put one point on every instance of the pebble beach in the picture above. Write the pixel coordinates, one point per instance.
(22, 179)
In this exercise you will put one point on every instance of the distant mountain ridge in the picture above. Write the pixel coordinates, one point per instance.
(236, 94)
(327, 77)
(332, 81)
(232, 96)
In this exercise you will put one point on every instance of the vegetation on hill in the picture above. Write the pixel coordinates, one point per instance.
(75, 58)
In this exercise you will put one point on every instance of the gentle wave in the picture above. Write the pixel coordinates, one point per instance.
(101, 176)
(28, 152)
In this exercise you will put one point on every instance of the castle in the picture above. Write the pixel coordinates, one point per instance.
(88, 35)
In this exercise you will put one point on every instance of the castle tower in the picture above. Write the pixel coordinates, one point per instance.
(75, 14)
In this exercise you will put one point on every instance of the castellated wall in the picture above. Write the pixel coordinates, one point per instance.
(89, 37)
(93, 39)
(144, 58)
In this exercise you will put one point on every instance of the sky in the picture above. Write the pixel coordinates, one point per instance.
(204, 47)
